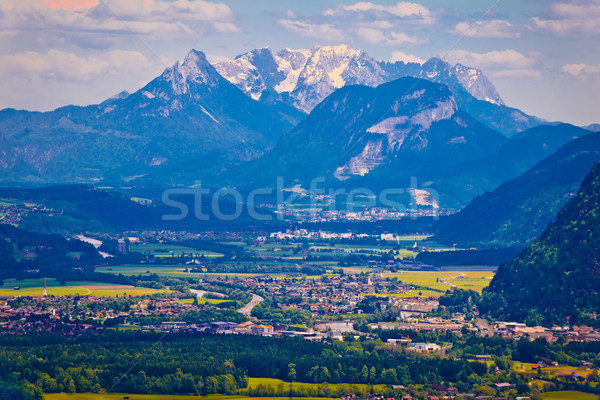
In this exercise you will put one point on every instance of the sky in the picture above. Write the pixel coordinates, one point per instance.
(542, 56)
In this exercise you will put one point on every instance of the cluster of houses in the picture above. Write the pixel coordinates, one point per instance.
(515, 330)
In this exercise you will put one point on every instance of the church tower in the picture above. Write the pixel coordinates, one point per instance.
(45, 292)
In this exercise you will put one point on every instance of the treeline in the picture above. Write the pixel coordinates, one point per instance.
(30, 254)
(204, 364)
(12, 390)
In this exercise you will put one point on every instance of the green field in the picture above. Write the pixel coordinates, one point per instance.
(558, 370)
(253, 382)
(170, 250)
(168, 270)
(444, 280)
(34, 287)
(568, 396)
(121, 396)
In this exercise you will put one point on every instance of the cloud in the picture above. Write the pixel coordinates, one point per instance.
(499, 64)
(571, 19)
(496, 28)
(69, 19)
(390, 38)
(582, 71)
(404, 10)
(71, 5)
(406, 58)
(365, 21)
(64, 66)
(315, 30)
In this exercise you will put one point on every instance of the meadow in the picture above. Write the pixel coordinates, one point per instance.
(34, 287)
(568, 395)
(441, 281)
(121, 396)
(171, 271)
(558, 370)
(170, 250)
(274, 383)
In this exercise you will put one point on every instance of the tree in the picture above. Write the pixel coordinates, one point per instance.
(535, 393)
(364, 374)
(291, 372)
(372, 375)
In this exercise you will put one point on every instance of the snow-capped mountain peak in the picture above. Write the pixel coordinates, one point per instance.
(310, 75)
(477, 84)
(194, 68)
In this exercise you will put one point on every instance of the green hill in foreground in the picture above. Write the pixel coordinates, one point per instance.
(557, 278)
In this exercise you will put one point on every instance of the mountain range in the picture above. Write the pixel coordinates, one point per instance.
(303, 78)
(518, 211)
(557, 277)
(188, 114)
(374, 137)
(243, 121)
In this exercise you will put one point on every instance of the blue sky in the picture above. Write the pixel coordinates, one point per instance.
(543, 56)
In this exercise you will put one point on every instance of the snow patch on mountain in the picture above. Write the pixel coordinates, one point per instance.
(477, 84)
(195, 68)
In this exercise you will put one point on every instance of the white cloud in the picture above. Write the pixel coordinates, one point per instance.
(390, 38)
(500, 64)
(63, 66)
(159, 18)
(571, 19)
(496, 28)
(309, 29)
(406, 58)
(401, 9)
(365, 21)
(583, 71)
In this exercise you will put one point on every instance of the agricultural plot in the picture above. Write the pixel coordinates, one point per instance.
(121, 396)
(442, 281)
(274, 383)
(34, 287)
(558, 370)
(172, 271)
(170, 250)
(568, 395)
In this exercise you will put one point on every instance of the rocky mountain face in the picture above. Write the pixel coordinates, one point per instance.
(359, 135)
(188, 114)
(303, 78)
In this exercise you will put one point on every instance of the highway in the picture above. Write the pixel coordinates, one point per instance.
(247, 309)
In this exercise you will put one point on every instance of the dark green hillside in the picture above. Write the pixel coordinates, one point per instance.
(23, 253)
(519, 210)
(557, 278)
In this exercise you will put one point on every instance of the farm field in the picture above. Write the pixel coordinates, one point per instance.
(121, 396)
(34, 287)
(170, 250)
(558, 370)
(253, 382)
(568, 395)
(174, 271)
(443, 280)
